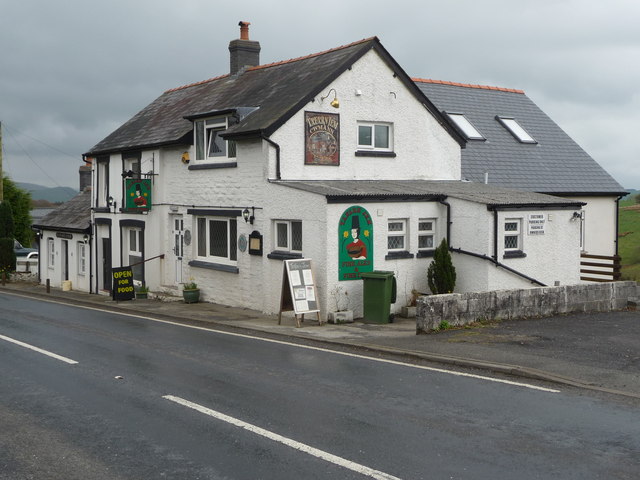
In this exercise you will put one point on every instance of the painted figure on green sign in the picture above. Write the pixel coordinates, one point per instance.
(356, 249)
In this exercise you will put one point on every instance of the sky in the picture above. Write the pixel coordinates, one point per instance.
(72, 71)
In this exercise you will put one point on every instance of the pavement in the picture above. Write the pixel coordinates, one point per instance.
(595, 351)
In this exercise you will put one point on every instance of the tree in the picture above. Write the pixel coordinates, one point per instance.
(7, 252)
(20, 202)
(441, 274)
(637, 198)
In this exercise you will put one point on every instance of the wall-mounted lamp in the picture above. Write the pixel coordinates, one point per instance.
(110, 202)
(85, 239)
(185, 158)
(334, 103)
(249, 217)
(576, 215)
(128, 173)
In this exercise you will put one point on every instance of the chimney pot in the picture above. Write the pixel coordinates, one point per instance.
(244, 30)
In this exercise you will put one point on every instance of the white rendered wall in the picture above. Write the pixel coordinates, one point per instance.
(600, 224)
(54, 273)
(424, 150)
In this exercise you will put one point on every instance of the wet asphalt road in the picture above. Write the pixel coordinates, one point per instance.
(109, 415)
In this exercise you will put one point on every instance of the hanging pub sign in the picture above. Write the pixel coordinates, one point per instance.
(122, 283)
(322, 138)
(355, 242)
(138, 194)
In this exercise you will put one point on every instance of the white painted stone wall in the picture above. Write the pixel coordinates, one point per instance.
(424, 150)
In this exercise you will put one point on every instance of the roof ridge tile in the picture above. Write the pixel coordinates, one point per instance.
(275, 64)
(467, 85)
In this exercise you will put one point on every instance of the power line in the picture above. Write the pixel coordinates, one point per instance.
(30, 157)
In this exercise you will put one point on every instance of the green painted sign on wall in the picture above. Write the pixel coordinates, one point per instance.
(355, 242)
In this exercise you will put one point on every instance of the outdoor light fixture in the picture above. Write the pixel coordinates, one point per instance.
(185, 158)
(334, 103)
(128, 173)
(85, 239)
(110, 201)
(576, 215)
(249, 217)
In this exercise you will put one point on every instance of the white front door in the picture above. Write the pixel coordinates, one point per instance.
(178, 245)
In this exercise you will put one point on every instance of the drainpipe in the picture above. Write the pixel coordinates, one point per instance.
(446, 204)
(495, 235)
(277, 147)
(617, 225)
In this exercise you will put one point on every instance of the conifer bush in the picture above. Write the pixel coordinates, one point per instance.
(7, 252)
(441, 274)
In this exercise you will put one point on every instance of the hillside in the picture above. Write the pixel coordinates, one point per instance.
(51, 194)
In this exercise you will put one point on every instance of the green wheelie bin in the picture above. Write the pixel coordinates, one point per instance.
(379, 292)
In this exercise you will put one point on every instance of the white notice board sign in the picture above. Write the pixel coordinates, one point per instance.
(298, 274)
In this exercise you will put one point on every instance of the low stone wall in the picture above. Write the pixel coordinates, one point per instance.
(464, 308)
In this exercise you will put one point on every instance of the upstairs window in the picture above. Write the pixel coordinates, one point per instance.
(465, 126)
(209, 145)
(375, 136)
(516, 130)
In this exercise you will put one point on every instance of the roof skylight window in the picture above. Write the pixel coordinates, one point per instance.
(465, 126)
(515, 129)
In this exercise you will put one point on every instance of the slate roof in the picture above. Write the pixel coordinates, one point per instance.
(338, 191)
(556, 164)
(72, 216)
(271, 93)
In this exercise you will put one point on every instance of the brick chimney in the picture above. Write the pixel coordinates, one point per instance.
(85, 176)
(244, 52)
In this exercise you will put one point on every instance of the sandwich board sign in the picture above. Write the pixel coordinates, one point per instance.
(299, 292)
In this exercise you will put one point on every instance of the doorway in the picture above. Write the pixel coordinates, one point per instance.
(106, 264)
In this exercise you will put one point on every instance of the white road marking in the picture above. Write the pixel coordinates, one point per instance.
(328, 457)
(39, 350)
(308, 347)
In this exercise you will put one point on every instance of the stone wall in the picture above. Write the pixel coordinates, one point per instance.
(461, 309)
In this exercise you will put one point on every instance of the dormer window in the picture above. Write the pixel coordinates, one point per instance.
(515, 129)
(209, 145)
(465, 126)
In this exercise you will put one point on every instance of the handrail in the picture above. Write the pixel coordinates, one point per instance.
(498, 264)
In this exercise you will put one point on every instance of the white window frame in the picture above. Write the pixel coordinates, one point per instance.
(372, 146)
(289, 246)
(231, 247)
(203, 131)
(517, 233)
(82, 258)
(403, 233)
(51, 252)
(423, 233)
(102, 168)
(135, 250)
(519, 133)
(465, 126)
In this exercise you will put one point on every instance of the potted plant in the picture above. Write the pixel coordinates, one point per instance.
(191, 292)
(342, 313)
(142, 292)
